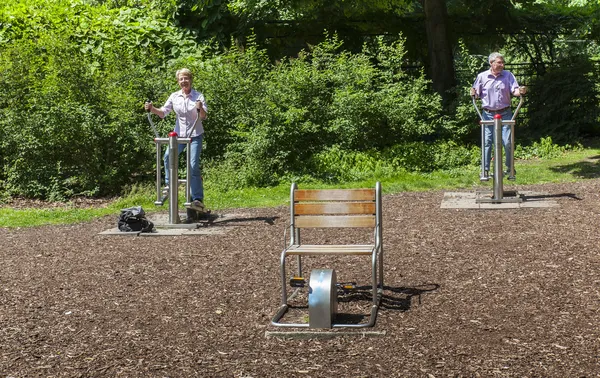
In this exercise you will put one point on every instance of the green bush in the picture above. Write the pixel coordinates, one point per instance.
(544, 149)
(563, 103)
(337, 165)
(267, 122)
(73, 78)
(72, 85)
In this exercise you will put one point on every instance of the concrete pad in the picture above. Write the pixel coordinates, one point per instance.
(116, 231)
(161, 220)
(164, 232)
(460, 195)
(538, 203)
(495, 206)
(163, 228)
(209, 230)
(322, 334)
(514, 200)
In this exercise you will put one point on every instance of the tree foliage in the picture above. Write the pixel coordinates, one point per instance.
(74, 75)
(72, 79)
(269, 121)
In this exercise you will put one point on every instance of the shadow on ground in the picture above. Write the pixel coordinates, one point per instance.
(587, 169)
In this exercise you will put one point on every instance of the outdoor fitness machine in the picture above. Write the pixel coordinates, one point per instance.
(499, 195)
(172, 191)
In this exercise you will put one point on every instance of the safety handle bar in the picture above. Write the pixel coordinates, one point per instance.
(518, 108)
(476, 108)
(513, 116)
(150, 120)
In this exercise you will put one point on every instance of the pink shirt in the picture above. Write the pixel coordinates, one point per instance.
(495, 92)
(186, 113)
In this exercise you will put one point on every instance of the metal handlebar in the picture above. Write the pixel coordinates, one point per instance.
(476, 108)
(513, 116)
(150, 121)
(518, 108)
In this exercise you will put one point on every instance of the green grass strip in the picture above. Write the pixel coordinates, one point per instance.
(569, 167)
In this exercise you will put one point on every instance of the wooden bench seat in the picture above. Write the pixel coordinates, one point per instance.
(366, 249)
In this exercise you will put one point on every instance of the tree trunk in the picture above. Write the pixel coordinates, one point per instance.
(441, 62)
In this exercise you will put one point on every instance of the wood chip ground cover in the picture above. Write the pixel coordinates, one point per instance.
(469, 293)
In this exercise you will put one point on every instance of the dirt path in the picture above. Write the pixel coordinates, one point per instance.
(470, 293)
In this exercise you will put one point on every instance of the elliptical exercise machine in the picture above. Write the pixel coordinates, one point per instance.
(498, 195)
(171, 192)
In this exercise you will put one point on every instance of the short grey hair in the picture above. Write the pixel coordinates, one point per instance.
(184, 72)
(493, 56)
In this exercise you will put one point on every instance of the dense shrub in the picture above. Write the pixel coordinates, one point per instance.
(564, 103)
(337, 165)
(73, 78)
(72, 84)
(544, 149)
(268, 121)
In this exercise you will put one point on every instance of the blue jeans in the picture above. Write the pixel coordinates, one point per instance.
(489, 138)
(196, 185)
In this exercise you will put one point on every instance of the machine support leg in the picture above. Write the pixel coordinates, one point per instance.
(481, 175)
(511, 176)
(158, 174)
(174, 179)
(498, 185)
(188, 178)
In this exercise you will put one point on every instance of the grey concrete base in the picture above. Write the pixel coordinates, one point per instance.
(167, 232)
(323, 334)
(161, 220)
(469, 200)
(116, 231)
(163, 228)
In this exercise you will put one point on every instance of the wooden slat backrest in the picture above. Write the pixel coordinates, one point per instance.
(334, 195)
(334, 208)
(331, 208)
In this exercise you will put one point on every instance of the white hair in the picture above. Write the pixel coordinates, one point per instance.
(185, 72)
(493, 56)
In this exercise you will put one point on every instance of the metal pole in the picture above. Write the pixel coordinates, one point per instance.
(150, 121)
(481, 122)
(174, 179)
(379, 231)
(511, 175)
(482, 173)
(498, 189)
(188, 170)
(512, 139)
(158, 175)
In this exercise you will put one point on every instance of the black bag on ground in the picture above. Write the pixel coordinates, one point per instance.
(133, 219)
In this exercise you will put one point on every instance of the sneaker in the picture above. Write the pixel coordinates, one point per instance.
(198, 206)
(485, 177)
(165, 190)
(509, 176)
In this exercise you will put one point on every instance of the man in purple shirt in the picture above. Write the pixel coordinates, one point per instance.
(495, 87)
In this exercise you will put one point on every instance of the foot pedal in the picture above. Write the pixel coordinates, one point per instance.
(197, 216)
(347, 286)
(297, 282)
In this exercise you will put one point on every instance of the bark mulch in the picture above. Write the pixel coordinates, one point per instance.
(469, 293)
